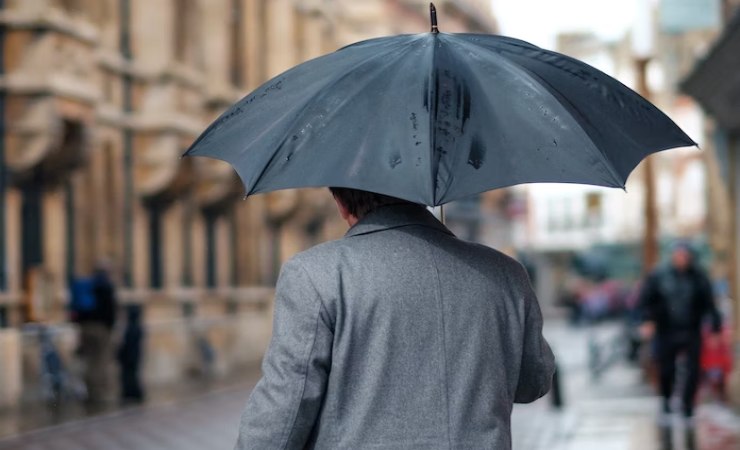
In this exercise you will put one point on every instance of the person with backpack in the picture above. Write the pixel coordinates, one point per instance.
(93, 307)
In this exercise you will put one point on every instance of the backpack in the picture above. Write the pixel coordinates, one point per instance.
(82, 297)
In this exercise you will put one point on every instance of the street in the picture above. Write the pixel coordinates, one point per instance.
(617, 412)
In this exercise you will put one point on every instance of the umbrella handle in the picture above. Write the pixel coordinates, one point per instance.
(433, 17)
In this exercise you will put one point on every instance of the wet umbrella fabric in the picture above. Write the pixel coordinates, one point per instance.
(436, 117)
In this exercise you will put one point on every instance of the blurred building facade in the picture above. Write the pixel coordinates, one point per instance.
(98, 100)
(715, 84)
(565, 221)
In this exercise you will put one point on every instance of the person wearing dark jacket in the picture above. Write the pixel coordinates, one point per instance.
(129, 356)
(96, 326)
(674, 301)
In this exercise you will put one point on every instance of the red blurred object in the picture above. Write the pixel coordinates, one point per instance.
(716, 360)
(715, 352)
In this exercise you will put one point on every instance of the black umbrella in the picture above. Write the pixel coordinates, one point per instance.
(436, 117)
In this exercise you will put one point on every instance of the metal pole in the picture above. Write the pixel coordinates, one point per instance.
(650, 252)
(3, 172)
(128, 143)
(433, 18)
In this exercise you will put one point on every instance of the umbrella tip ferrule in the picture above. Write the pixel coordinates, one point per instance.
(433, 16)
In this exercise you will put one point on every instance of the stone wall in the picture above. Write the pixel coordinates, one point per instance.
(236, 327)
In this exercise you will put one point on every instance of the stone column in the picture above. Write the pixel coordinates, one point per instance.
(249, 235)
(140, 246)
(224, 248)
(281, 51)
(199, 250)
(11, 381)
(254, 45)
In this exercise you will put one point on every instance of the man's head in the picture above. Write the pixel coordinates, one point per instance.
(681, 257)
(355, 204)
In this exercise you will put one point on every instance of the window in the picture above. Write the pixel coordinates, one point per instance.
(32, 225)
(155, 246)
(210, 219)
(187, 241)
(233, 231)
(594, 209)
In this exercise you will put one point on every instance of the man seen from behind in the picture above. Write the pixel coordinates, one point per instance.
(398, 336)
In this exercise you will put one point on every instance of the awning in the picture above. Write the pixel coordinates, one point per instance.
(715, 81)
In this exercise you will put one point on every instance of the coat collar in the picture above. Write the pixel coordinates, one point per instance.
(396, 216)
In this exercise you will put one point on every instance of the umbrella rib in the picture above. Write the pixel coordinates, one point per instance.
(574, 110)
(433, 111)
(555, 92)
(303, 108)
(563, 100)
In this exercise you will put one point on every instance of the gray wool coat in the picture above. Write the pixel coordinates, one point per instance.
(398, 336)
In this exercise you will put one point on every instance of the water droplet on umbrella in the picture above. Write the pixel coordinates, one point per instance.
(477, 153)
(395, 160)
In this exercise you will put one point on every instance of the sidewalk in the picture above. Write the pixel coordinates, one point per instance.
(206, 422)
(32, 418)
(618, 412)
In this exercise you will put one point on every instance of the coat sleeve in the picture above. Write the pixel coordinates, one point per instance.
(283, 407)
(709, 304)
(538, 363)
(647, 300)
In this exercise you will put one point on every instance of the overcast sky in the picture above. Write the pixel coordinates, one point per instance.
(539, 21)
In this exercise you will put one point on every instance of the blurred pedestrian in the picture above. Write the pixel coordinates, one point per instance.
(398, 336)
(96, 320)
(130, 356)
(674, 301)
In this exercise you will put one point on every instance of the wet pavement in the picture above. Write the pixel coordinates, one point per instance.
(207, 422)
(616, 412)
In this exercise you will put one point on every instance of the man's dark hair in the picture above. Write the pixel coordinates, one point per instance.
(360, 203)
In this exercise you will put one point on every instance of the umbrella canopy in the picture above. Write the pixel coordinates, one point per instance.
(436, 117)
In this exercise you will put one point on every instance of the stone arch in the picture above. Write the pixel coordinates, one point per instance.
(49, 158)
(160, 173)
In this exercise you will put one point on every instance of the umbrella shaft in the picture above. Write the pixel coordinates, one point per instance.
(433, 16)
